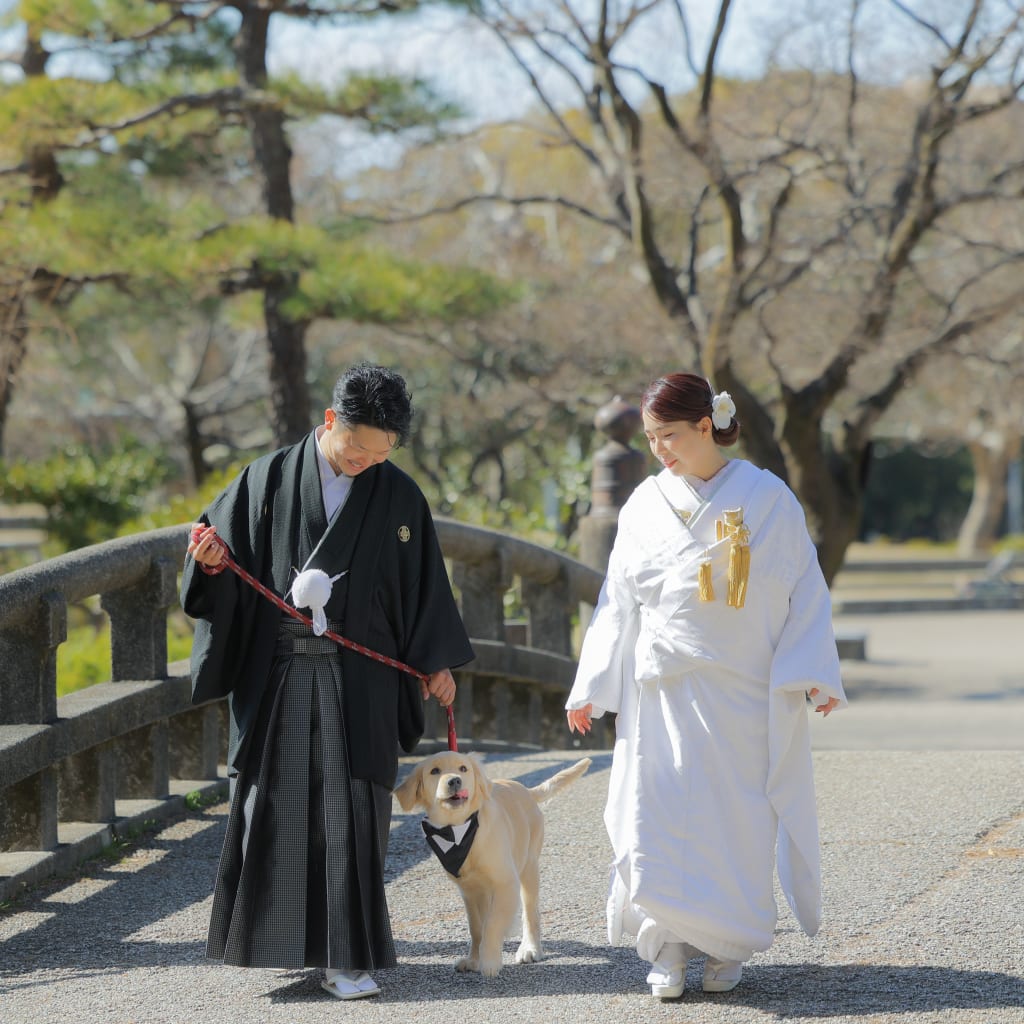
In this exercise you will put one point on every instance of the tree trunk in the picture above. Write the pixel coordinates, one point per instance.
(194, 444)
(827, 485)
(286, 336)
(988, 500)
(45, 182)
(13, 347)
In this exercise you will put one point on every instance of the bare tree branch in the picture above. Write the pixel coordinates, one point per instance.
(499, 197)
(928, 26)
(687, 37)
(708, 75)
(904, 370)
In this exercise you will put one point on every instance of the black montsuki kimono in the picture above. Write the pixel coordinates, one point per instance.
(315, 727)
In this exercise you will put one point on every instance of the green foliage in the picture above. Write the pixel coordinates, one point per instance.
(197, 801)
(101, 19)
(92, 231)
(84, 658)
(386, 103)
(375, 286)
(912, 494)
(52, 113)
(181, 508)
(119, 232)
(195, 48)
(1011, 542)
(87, 495)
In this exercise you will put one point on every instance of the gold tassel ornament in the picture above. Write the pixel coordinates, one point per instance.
(739, 556)
(731, 527)
(739, 569)
(706, 588)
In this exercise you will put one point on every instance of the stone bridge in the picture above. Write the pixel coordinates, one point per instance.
(920, 785)
(77, 769)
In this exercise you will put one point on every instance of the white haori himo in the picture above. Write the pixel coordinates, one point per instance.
(712, 769)
(312, 589)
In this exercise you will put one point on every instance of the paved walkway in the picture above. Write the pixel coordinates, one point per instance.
(923, 848)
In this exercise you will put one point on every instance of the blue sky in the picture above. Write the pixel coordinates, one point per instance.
(467, 64)
(465, 60)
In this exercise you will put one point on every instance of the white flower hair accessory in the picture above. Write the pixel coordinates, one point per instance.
(723, 408)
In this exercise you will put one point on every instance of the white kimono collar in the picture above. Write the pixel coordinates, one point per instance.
(684, 499)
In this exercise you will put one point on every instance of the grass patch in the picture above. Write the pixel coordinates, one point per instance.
(197, 801)
(84, 658)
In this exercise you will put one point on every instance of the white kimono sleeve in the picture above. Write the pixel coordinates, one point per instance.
(606, 659)
(805, 657)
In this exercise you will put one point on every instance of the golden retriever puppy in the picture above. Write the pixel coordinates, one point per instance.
(488, 836)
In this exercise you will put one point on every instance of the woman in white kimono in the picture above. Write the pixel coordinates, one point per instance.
(713, 626)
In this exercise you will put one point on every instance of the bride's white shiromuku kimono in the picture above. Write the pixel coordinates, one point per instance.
(711, 772)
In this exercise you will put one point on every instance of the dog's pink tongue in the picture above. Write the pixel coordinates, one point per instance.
(463, 794)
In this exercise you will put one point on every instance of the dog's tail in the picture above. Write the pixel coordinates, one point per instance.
(546, 790)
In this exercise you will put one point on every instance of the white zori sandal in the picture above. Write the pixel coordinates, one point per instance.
(349, 985)
(668, 972)
(721, 975)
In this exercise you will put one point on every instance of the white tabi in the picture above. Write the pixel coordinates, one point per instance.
(712, 770)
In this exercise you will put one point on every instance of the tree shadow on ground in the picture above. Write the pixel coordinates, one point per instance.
(851, 990)
(427, 974)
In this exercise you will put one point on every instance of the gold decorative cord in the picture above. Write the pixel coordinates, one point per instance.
(706, 587)
(731, 527)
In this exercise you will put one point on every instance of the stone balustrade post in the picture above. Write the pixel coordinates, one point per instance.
(28, 696)
(87, 784)
(143, 764)
(547, 605)
(482, 586)
(138, 623)
(195, 743)
(28, 813)
(28, 663)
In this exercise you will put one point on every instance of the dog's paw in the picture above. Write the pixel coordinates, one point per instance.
(527, 954)
(490, 968)
(468, 963)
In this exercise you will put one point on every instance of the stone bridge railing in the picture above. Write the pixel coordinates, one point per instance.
(77, 769)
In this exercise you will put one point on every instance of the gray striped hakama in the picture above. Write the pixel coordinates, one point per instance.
(301, 875)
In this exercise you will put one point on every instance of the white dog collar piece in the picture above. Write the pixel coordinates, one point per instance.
(452, 843)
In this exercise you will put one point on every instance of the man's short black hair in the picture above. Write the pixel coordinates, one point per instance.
(367, 395)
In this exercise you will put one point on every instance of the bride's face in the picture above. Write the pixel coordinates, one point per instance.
(680, 446)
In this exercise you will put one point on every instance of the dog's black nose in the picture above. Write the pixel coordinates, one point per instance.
(455, 783)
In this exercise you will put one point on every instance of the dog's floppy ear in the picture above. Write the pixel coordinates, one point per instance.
(410, 792)
(481, 784)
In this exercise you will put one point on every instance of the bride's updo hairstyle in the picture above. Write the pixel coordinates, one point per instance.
(685, 396)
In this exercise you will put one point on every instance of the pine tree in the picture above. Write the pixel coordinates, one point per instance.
(146, 147)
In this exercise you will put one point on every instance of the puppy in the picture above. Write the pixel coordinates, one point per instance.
(490, 841)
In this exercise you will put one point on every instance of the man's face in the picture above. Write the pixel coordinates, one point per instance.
(350, 450)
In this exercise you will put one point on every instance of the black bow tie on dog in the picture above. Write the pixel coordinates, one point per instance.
(451, 843)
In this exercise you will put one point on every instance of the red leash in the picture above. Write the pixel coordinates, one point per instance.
(229, 563)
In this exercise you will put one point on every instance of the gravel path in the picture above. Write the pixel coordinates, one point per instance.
(921, 798)
(924, 873)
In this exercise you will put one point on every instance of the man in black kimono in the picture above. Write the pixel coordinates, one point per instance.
(316, 727)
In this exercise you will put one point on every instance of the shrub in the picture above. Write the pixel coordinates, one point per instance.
(87, 495)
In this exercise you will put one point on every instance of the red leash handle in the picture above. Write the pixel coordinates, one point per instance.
(228, 562)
